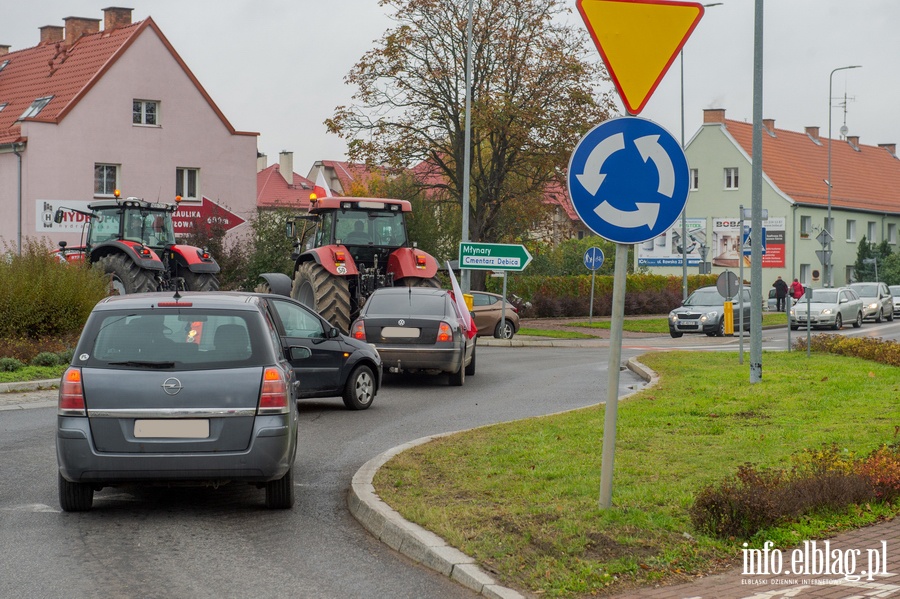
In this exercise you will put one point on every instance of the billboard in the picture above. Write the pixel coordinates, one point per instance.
(726, 251)
(666, 249)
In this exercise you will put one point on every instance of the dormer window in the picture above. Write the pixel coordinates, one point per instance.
(3, 64)
(36, 107)
(3, 105)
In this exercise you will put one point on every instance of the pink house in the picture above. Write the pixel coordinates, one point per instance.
(90, 110)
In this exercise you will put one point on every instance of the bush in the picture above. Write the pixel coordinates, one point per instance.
(867, 348)
(41, 297)
(825, 479)
(45, 359)
(10, 364)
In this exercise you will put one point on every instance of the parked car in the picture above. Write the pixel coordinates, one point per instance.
(177, 389)
(488, 311)
(417, 329)
(895, 293)
(333, 363)
(830, 307)
(877, 299)
(704, 312)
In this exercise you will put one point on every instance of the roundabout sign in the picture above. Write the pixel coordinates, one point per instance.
(628, 180)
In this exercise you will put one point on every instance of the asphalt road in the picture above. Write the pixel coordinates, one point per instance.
(223, 543)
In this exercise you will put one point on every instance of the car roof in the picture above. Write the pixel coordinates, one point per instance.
(198, 299)
(404, 290)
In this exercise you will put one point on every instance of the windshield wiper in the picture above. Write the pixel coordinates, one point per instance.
(145, 364)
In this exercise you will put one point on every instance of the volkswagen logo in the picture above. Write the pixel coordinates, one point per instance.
(401, 322)
(171, 386)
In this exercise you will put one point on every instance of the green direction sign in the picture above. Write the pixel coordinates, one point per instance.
(493, 256)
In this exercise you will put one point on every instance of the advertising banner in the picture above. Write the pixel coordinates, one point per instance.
(726, 251)
(666, 249)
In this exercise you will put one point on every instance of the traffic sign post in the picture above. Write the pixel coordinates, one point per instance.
(593, 259)
(493, 256)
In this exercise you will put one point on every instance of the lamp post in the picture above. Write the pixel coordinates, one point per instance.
(684, 234)
(829, 279)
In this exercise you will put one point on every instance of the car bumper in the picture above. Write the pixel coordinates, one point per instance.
(815, 321)
(269, 456)
(693, 326)
(420, 358)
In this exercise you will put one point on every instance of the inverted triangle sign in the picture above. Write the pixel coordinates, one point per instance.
(638, 41)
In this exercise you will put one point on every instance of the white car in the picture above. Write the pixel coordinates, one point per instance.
(895, 293)
(877, 300)
(829, 308)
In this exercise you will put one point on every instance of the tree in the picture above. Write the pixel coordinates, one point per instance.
(534, 94)
(863, 268)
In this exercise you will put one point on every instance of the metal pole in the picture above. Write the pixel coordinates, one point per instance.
(756, 203)
(612, 388)
(741, 289)
(591, 312)
(829, 267)
(503, 309)
(684, 237)
(467, 151)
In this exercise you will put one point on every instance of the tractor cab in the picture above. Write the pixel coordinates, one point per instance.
(131, 220)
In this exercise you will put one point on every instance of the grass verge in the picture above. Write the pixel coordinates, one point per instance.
(521, 497)
(33, 373)
(661, 325)
(555, 334)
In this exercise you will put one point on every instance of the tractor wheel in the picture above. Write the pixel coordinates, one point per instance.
(327, 294)
(125, 276)
(200, 281)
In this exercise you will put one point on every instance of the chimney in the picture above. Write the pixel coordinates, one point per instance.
(4, 49)
(713, 115)
(286, 164)
(262, 162)
(769, 124)
(50, 34)
(853, 140)
(813, 133)
(115, 17)
(78, 26)
(891, 148)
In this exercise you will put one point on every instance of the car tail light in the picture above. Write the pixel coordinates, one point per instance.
(358, 331)
(71, 394)
(273, 397)
(445, 333)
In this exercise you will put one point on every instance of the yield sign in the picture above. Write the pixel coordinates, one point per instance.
(638, 40)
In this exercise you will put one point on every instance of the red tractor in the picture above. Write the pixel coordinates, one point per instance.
(133, 241)
(359, 245)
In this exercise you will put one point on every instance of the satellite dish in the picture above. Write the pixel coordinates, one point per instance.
(844, 130)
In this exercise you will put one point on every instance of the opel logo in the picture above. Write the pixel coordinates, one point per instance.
(401, 322)
(171, 386)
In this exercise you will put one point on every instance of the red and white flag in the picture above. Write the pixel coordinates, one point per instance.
(320, 182)
(461, 306)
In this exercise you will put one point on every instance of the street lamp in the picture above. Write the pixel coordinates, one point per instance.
(829, 279)
(684, 235)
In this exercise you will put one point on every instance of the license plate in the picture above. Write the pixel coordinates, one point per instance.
(171, 429)
(400, 332)
(688, 325)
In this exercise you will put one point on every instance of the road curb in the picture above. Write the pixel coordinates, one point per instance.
(24, 386)
(413, 541)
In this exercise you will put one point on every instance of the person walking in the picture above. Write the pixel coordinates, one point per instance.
(781, 291)
(797, 290)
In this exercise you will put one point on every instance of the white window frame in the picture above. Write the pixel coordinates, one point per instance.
(870, 232)
(892, 233)
(695, 179)
(805, 226)
(805, 274)
(851, 230)
(105, 192)
(142, 113)
(183, 183)
(850, 273)
(731, 177)
(36, 107)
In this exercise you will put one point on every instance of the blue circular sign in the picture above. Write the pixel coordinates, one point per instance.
(628, 180)
(593, 258)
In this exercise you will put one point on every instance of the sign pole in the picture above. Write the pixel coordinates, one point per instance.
(612, 388)
(591, 312)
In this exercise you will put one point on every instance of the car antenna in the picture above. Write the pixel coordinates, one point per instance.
(177, 296)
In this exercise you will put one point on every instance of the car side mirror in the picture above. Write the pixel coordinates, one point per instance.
(333, 332)
(58, 216)
(290, 229)
(299, 353)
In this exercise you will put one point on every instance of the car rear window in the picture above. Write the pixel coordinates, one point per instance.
(411, 304)
(178, 338)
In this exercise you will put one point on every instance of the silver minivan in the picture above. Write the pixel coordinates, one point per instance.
(164, 389)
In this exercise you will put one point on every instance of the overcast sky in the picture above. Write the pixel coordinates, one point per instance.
(277, 67)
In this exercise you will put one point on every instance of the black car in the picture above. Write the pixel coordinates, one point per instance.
(327, 362)
(418, 329)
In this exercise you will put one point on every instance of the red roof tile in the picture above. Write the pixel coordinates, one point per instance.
(67, 73)
(867, 179)
(273, 191)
